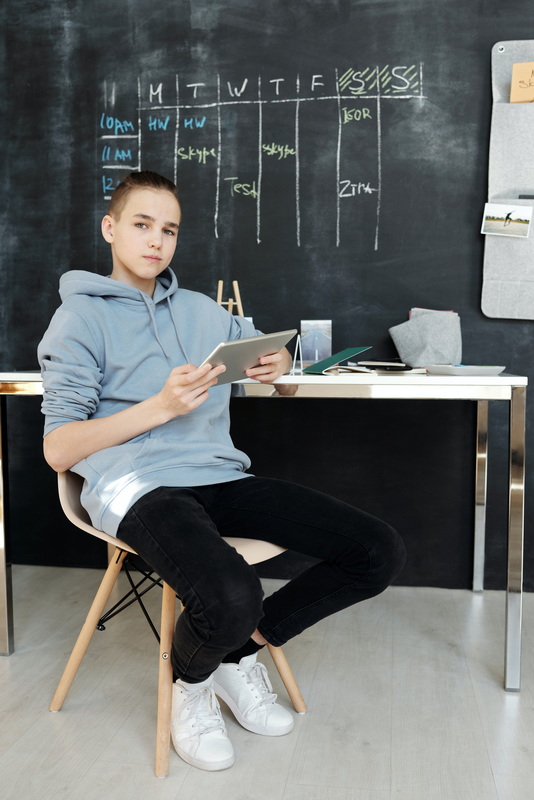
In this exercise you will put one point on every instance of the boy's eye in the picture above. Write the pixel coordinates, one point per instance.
(140, 225)
(169, 232)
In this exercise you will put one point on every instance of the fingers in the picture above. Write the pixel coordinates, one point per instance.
(271, 367)
(262, 373)
(187, 387)
(189, 375)
(287, 389)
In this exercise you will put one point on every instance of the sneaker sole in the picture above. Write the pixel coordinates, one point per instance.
(250, 726)
(208, 766)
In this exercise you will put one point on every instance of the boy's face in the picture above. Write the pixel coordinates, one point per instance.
(143, 239)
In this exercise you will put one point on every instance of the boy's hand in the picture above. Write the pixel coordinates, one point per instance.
(272, 367)
(187, 388)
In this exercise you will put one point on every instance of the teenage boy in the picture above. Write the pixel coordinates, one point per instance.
(127, 408)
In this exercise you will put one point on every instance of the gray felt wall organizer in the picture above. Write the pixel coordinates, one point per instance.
(508, 280)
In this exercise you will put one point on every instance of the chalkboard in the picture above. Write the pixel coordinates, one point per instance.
(331, 157)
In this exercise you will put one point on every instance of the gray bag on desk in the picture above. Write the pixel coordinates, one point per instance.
(429, 337)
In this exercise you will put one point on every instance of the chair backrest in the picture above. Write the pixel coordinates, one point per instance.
(70, 486)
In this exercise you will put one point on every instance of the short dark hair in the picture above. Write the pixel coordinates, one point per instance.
(138, 180)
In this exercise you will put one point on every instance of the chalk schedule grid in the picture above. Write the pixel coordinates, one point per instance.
(259, 147)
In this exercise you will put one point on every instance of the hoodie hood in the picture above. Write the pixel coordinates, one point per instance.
(81, 282)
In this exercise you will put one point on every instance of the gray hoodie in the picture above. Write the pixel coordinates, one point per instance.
(109, 346)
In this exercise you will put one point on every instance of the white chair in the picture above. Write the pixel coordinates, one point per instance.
(253, 551)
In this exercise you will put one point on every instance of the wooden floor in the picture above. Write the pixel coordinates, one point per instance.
(404, 692)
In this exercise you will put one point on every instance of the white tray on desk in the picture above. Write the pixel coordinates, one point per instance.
(463, 369)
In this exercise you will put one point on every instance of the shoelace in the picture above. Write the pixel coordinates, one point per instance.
(203, 705)
(259, 678)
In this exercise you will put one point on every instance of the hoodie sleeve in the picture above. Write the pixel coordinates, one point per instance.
(241, 328)
(70, 366)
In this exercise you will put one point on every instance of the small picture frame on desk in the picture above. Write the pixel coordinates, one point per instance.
(316, 340)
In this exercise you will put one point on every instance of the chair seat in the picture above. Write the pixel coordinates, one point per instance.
(70, 486)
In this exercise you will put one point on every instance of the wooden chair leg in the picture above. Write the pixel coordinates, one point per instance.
(163, 736)
(288, 679)
(88, 629)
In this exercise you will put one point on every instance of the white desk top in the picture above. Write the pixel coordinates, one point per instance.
(354, 378)
(418, 386)
(363, 385)
(418, 378)
(19, 377)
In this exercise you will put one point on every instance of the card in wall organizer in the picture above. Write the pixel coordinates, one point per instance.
(508, 286)
(508, 280)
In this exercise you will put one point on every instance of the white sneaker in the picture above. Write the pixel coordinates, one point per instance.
(246, 689)
(197, 727)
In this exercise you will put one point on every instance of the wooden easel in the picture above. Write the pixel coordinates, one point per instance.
(231, 301)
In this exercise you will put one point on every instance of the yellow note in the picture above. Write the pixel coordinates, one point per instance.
(522, 88)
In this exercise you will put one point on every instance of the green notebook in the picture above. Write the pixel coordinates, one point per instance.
(319, 367)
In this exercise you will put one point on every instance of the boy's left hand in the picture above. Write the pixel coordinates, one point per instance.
(271, 367)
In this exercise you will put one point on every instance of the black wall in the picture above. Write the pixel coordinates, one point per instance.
(413, 161)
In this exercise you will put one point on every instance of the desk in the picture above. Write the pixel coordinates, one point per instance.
(510, 388)
(11, 383)
(480, 389)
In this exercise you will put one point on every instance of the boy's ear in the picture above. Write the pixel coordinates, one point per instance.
(107, 228)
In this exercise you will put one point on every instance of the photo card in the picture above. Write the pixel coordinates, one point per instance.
(506, 219)
(316, 340)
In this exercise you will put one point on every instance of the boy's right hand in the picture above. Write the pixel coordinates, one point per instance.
(187, 388)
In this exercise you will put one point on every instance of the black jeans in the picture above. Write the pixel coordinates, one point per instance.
(178, 531)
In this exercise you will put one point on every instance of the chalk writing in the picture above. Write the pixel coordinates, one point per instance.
(280, 150)
(194, 87)
(355, 114)
(371, 80)
(247, 189)
(110, 154)
(115, 125)
(350, 189)
(233, 91)
(200, 154)
(108, 184)
(157, 124)
(156, 93)
(194, 122)
(388, 80)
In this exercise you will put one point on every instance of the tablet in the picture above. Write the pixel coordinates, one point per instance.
(241, 354)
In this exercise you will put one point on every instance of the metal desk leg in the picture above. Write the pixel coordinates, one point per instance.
(514, 591)
(480, 495)
(7, 644)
